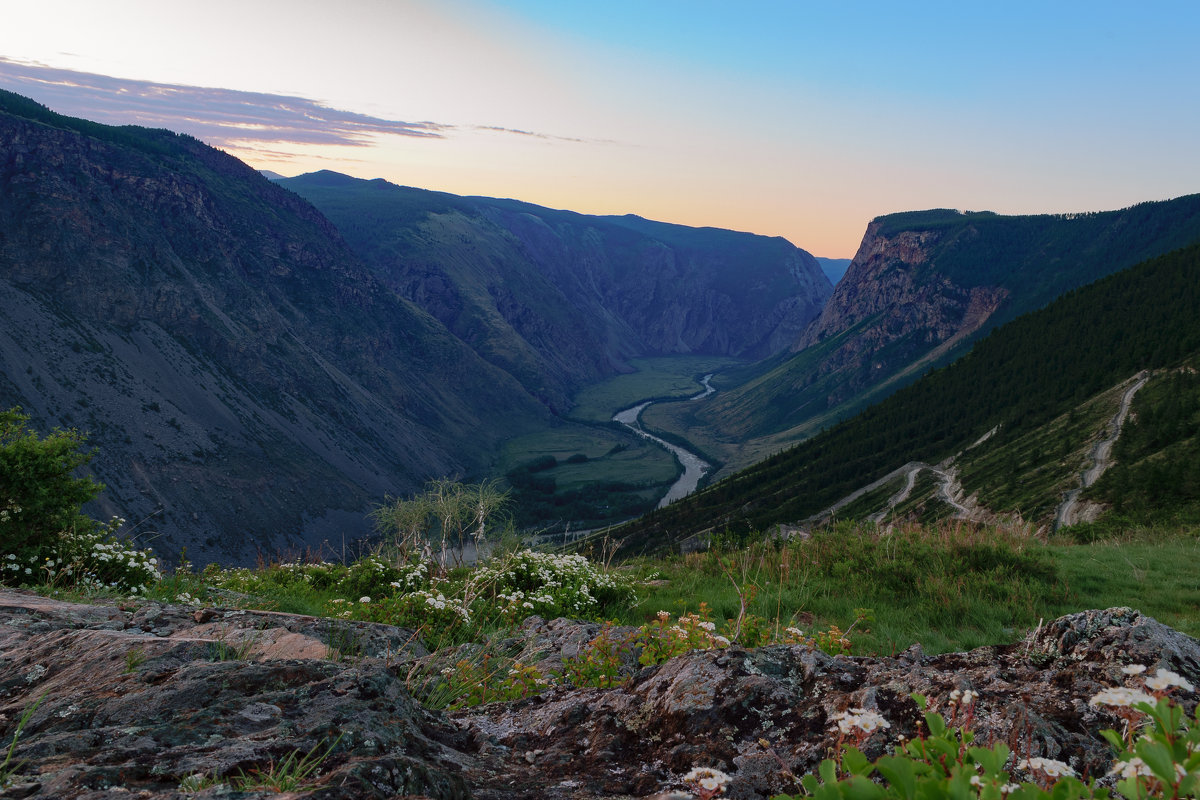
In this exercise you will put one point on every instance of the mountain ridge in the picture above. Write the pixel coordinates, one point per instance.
(562, 299)
(246, 381)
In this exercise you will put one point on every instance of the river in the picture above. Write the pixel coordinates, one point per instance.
(694, 467)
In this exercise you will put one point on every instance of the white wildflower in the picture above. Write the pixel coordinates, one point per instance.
(1133, 669)
(707, 778)
(364, 599)
(1047, 766)
(1120, 696)
(1165, 679)
(860, 718)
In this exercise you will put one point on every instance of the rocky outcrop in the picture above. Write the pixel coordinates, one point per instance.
(142, 723)
(899, 316)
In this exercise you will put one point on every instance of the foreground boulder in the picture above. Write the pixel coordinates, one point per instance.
(133, 701)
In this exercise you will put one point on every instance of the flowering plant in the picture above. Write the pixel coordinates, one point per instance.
(93, 557)
(550, 584)
(1157, 757)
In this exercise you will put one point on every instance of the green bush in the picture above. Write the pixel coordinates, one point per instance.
(552, 585)
(40, 495)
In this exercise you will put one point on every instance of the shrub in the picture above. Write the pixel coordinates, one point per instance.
(552, 585)
(40, 495)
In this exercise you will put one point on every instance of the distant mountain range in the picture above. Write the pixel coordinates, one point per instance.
(258, 361)
(561, 300)
(834, 268)
(254, 380)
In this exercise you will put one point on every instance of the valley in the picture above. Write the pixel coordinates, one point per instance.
(260, 362)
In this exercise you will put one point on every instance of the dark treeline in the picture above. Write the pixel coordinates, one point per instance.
(1020, 376)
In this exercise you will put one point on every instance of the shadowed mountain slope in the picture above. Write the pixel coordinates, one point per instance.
(560, 299)
(921, 288)
(247, 381)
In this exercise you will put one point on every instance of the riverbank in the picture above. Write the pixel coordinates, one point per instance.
(694, 467)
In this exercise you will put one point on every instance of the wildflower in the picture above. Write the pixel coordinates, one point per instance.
(1165, 679)
(711, 780)
(364, 599)
(1047, 766)
(1133, 669)
(1120, 697)
(1131, 769)
(1009, 787)
(860, 718)
(976, 781)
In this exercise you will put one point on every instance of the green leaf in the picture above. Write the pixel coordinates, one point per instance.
(935, 723)
(1114, 739)
(992, 760)
(854, 762)
(1158, 758)
(828, 771)
(900, 774)
(860, 787)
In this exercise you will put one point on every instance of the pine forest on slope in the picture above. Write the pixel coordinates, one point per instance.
(1019, 383)
(922, 288)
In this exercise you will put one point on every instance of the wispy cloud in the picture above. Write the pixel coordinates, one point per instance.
(531, 134)
(220, 117)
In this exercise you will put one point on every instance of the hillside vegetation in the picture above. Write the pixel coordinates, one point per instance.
(1020, 377)
(923, 287)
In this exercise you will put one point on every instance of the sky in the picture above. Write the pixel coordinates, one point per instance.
(780, 117)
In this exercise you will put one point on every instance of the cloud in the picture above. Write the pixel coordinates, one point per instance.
(532, 134)
(220, 117)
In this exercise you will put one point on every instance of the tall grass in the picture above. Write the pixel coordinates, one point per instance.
(948, 586)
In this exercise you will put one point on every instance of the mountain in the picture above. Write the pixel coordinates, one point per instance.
(561, 300)
(247, 381)
(1019, 416)
(834, 268)
(922, 287)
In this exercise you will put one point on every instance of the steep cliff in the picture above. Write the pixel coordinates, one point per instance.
(249, 384)
(560, 299)
(921, 288)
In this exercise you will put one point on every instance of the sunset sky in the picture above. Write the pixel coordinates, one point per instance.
(785, 117)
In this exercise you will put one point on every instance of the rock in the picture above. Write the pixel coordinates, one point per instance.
(109, 722)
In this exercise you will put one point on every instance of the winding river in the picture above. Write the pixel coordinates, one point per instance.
(694, 467)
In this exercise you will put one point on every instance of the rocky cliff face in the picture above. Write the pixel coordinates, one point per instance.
(901, 316)
(920, 288)
(248, 383)
(560, 299)
(138, 698)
